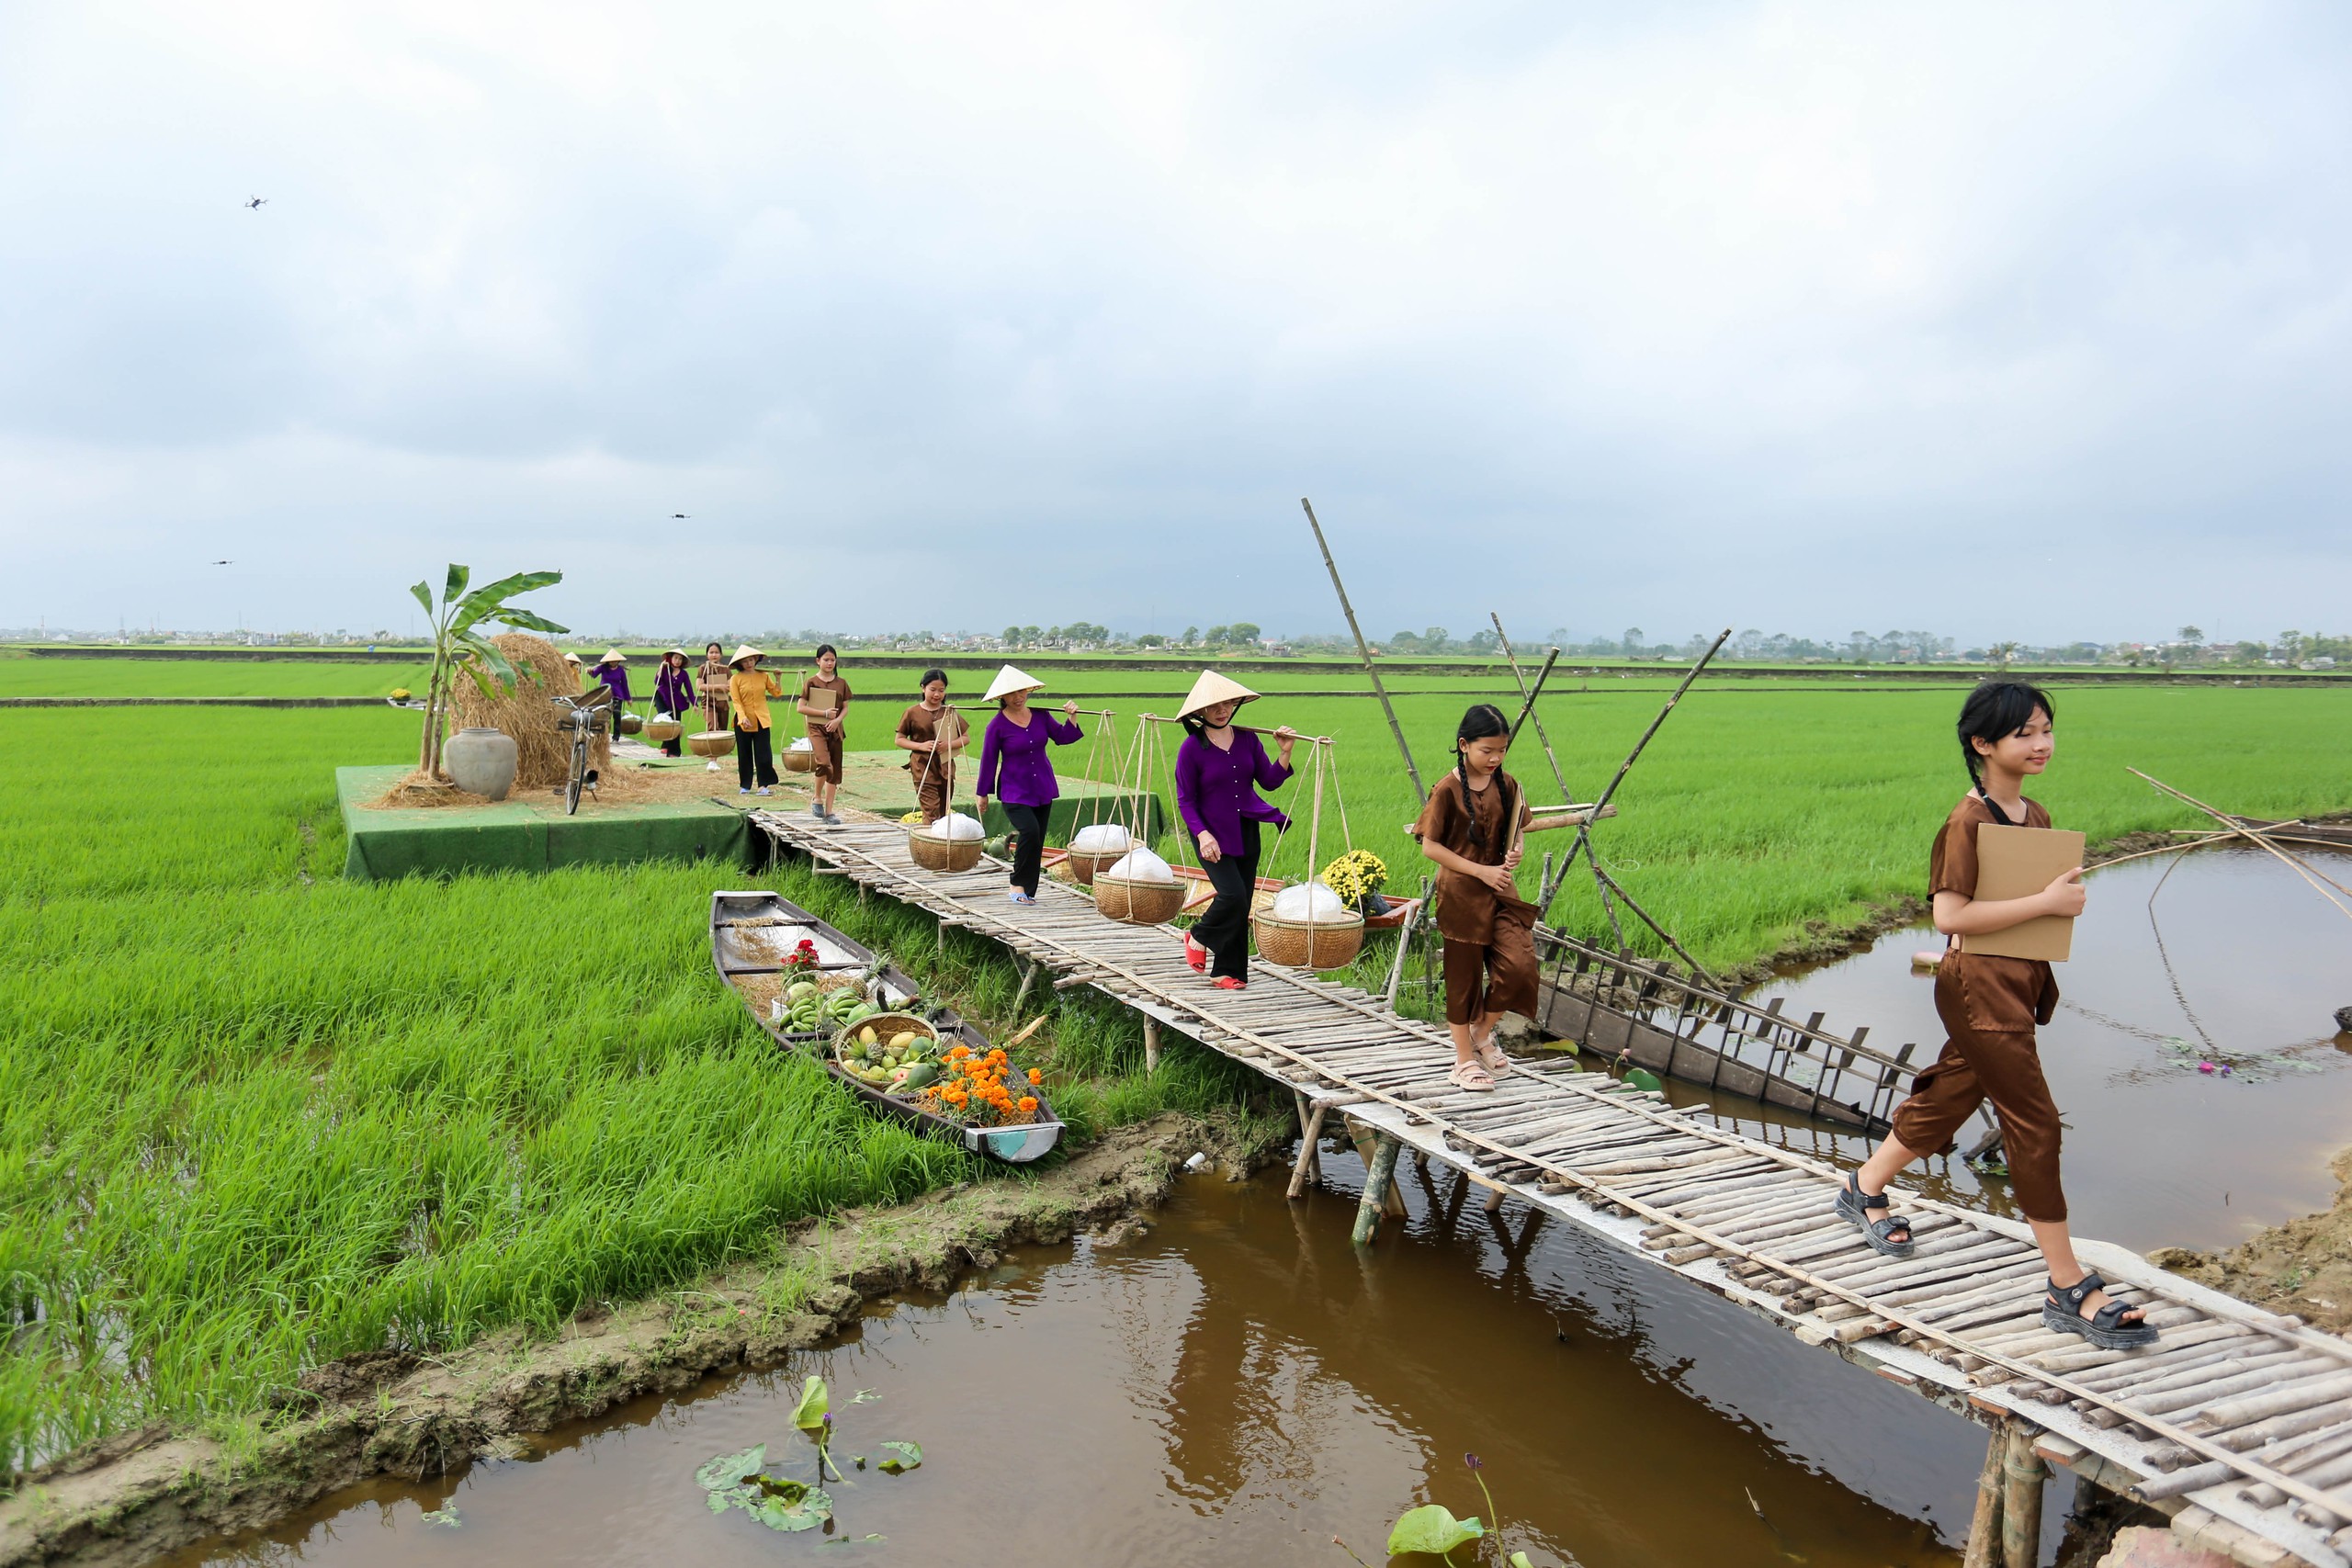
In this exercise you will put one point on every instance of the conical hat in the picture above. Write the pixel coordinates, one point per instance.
(1212, 689)
(746, 651)
(571, 659)
(613, 655)
(1008, 680)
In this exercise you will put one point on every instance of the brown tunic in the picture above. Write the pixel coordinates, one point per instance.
(1989, 1006)
(1465, 908)
(711, 682)
(1489, 938)
(934, 772)
(827, 742)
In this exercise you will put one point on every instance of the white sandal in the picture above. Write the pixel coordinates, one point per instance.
(1471, 1076)
(1492, 1057)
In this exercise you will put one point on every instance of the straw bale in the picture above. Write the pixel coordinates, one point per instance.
(543, 751)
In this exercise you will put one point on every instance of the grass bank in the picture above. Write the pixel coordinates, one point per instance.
(253, 1120)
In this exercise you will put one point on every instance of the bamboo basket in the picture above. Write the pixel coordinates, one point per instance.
(711, 743)
(1138, 903)
(1301, 944)
(1086, 864)
(935, 853)
(803, 760)
(661, 731)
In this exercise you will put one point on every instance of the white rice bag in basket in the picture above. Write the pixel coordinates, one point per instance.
(800, 745)
(955, 825)
(1102, 838)
(1311, 902)
(1140, 865)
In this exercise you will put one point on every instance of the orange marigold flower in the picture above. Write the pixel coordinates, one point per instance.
(957, 1053)
(1028, 1102)
(1036, 1074)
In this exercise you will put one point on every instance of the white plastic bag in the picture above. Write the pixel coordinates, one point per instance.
(800, 745)
(1141, 865)
(1311, 902)
(1102, 838)
(955, 825)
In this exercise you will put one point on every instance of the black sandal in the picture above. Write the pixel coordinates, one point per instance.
(2062, 1310)
(1855, 1204)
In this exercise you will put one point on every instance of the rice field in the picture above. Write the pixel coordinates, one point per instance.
(24, 677)
(254, 1118)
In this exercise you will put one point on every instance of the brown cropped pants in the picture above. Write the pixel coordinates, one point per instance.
(1494, 975)
(1979, 1063)
(932, 788)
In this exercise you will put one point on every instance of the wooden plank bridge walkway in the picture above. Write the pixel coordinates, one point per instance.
(2238, 1423)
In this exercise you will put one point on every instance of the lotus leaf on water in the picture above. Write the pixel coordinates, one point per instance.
(903, 1457)
(1431, 1528)
(815, 1404)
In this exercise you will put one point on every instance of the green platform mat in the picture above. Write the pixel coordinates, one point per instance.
(530, 834)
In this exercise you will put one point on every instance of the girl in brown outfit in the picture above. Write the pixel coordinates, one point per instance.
(1990, 1006)
(932, 733)
(825, 717)
(1473, 827)
(713, 675)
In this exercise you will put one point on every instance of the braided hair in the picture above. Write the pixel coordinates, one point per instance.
(1480, 721)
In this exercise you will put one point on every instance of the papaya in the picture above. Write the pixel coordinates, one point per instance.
(903, 1040)
(798, 989)
(923, 1074)
(866, 1034)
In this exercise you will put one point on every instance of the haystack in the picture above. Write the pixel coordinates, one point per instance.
(543, 751)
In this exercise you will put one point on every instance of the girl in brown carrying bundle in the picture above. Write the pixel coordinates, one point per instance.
(824, 703)
(932, 733)
(1990, 1006)
(1474, 826)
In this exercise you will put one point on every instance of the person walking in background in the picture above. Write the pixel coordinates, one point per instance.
(1991, 1007)
(749, 687)
(714, 703)
(1015, 768)
(823, 701)
(931, 734)
(673, 694)
(612, 672)
(1219, 769)
(572, 662)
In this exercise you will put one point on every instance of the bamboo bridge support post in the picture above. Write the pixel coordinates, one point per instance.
(1150, 1046)
(1984, 1550)
(1028, 978)
(1363, 651)
(1379, 1186)
(2024, 1472)
(1310, 1153)
(1405, 945)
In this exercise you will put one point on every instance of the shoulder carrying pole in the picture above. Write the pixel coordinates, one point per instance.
(1520, 676)
(1363, 651)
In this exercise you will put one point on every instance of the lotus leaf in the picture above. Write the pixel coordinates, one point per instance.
(1432, 1529)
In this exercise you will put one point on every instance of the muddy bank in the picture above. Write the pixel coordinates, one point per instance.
(2303, 1267)
(133, 1499)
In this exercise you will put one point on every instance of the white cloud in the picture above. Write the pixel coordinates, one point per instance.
(1749, 314)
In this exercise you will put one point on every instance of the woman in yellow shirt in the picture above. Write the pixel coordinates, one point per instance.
(750, 687)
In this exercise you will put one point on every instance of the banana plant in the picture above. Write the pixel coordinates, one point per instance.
(460, 644)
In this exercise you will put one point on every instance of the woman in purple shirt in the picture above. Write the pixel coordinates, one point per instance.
(1015, 745)
(1218, 771)
(673, 694)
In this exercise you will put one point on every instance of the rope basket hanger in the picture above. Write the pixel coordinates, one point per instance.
(1319, 935)
(1129, 888)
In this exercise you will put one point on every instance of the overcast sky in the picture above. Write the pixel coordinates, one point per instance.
(1998, 321)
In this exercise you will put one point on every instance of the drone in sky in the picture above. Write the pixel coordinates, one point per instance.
(257, 203)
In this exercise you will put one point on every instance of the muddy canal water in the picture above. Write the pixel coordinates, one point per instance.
(1238, 1386)
(2238, 965)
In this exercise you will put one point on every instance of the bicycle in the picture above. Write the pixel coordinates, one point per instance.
(584, 716)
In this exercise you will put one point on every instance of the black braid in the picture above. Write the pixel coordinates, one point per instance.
(1481, 720)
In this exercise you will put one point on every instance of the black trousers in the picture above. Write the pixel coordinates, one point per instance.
(1029, 822)
(1225, 929)
(754, 751)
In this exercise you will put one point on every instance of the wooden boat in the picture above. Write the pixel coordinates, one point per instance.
(750, 933)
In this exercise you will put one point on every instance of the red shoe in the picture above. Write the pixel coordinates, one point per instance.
(1196, 954)
(1228, 983)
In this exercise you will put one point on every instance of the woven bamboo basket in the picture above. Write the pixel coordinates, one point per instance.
(800, 761)
(1086, 864)
(1322, 944)
(711, 743)
(935, 853)
(1138, 903)
(661, 731)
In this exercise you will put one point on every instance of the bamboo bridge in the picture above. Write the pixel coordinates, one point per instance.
(2238, 1424)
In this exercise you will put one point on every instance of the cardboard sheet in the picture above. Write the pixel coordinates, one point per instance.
(2012, 862)
(821, 699)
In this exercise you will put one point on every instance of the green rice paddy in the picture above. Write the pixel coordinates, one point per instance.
(254, 1118)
